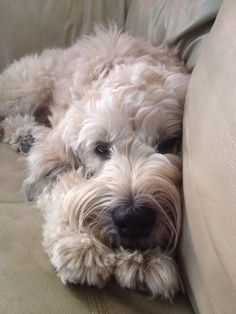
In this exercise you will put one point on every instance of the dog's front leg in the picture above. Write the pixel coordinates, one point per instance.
(78, 258)
(152, 271)
(44, 162)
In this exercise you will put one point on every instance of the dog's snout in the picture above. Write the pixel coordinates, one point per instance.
(134, 223)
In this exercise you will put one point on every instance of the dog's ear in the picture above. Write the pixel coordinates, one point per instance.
(46, 161)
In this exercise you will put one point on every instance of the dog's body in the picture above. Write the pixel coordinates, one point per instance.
(106, 171)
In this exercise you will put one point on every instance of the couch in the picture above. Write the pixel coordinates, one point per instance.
(207, 251)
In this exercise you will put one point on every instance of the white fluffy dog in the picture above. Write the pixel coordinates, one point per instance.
(106, 171)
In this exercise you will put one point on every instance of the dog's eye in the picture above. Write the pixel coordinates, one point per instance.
(103, 150)
(170, 145)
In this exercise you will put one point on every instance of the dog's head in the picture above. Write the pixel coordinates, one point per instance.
(124, 133)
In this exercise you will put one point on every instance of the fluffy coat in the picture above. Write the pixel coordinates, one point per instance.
(114, 93)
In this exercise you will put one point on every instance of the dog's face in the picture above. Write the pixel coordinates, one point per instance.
(125, 138)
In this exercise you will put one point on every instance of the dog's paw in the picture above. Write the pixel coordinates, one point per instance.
(23, 143)
(79, 259)
(19, 131)
(152, 272)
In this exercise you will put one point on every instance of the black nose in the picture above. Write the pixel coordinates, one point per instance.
(134, 222)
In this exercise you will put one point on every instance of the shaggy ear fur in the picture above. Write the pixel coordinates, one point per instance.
(54, 151)
(46, 162)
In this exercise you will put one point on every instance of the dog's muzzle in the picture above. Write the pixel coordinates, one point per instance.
(134, 223)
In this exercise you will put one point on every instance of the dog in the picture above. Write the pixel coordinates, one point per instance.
(105, 166)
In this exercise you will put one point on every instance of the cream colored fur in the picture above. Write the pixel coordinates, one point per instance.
(107, 88)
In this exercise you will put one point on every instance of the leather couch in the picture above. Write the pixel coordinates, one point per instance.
(207, 250)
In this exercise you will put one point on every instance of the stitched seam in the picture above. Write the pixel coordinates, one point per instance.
(95, 301)
(90, 300)
(101, 302)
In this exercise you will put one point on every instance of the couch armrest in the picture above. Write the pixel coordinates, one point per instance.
(183, 25)
(209, 150)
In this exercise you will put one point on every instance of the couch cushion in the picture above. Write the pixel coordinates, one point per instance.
(208, 246)
(183, 25)
(28, 284)
(28, 26)
(12, 172)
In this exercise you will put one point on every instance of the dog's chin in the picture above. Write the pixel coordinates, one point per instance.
(140, 245)
(110, 238)
(134, 244)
